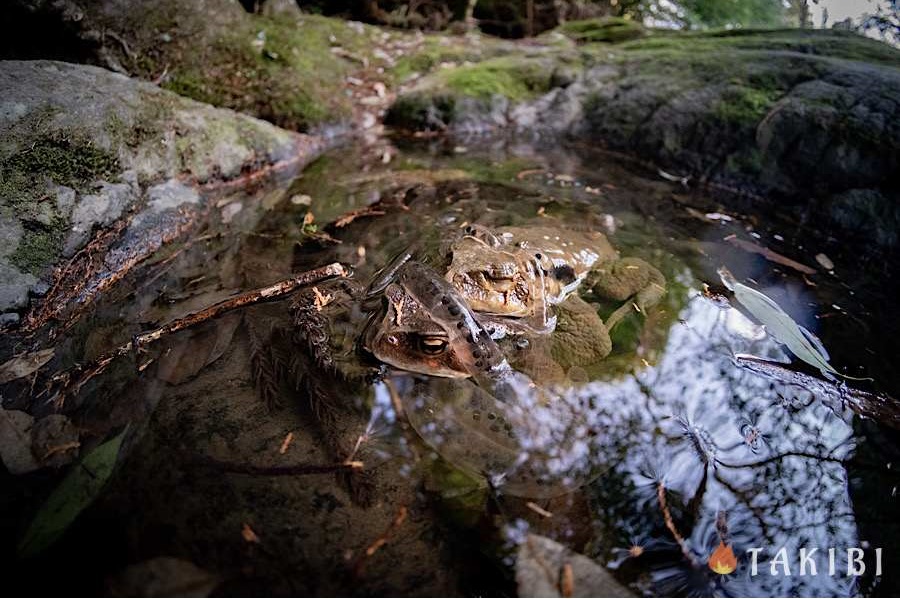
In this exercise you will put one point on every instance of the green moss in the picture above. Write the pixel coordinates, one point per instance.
(744, 105)
(830, 43)
(24, 178)
(40, 245)
(424, 110)
(440, 49)
(514, 78)
(275, 68)
(431, 54)
(747, 162)
(65, 160)
(609, 30)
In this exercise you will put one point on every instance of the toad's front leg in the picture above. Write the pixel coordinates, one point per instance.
(629, 280)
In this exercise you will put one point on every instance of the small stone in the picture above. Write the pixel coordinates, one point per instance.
(39, 289)
(825, 261)
(9, 319)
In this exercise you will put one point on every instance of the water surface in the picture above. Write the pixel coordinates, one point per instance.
(670, 413)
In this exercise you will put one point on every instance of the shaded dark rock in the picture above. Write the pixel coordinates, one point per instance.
(869, 213)
(800, 117)
(86, 150)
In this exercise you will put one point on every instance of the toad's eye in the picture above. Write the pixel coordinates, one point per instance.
(431, 345)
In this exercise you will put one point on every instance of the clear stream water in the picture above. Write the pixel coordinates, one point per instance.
(774, 464)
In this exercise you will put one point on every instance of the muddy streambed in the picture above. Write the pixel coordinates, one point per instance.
(683, 449)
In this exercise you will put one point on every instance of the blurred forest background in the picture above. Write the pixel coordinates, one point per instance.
(525, 18)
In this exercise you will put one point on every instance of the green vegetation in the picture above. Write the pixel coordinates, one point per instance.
(734, 13)
(514, 78)
(831, 43)
(435, 104)
(744, 105)
(288, 71)
(273, 69)
(24, 178)
(609, 29)
(437, 50)
(40, 245)
(65, 160)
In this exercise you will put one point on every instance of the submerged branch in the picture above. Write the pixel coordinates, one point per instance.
(398, 520)
(290, 470)
(877, 406)
(670, 523)
(70, 382)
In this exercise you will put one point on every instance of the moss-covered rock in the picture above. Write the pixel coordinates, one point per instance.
(82, 147)
(484, 90)
(282, 67)
(514, 78)
(793, 115)
(446, 51)
(608, 29)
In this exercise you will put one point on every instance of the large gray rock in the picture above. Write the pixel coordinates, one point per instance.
(82, 148)
(801, 117)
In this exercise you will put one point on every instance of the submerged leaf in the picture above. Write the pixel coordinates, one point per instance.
(22, 366)
(544, 568)
(780, 325)
(163, 577)
(15, 442)
(194, 352)
(80, 487)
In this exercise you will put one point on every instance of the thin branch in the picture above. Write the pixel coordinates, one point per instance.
(670, 523)
(290, 470)
(360, 565)
(71, 381)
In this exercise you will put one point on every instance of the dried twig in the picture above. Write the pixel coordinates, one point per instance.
(670, 523)
(71, 381)
(538, 510)
(286, 443)
(290, 470)
(567, 581)
(360, 565)
(771, 256)
(351, 216)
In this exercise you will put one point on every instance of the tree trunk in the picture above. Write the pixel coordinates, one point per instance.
(529, 18)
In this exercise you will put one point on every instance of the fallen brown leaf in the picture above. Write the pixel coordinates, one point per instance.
(24, 365)
(321, 300)
(248, 534)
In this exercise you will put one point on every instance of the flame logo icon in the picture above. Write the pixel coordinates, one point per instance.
(723, 560)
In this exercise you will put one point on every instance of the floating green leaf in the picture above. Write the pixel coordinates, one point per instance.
(781, 326)
(80, 487)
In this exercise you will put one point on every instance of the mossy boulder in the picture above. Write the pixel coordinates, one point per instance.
(608, 29)
(281, 66)
(484, 90)
(82, 148)
(797, 116)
